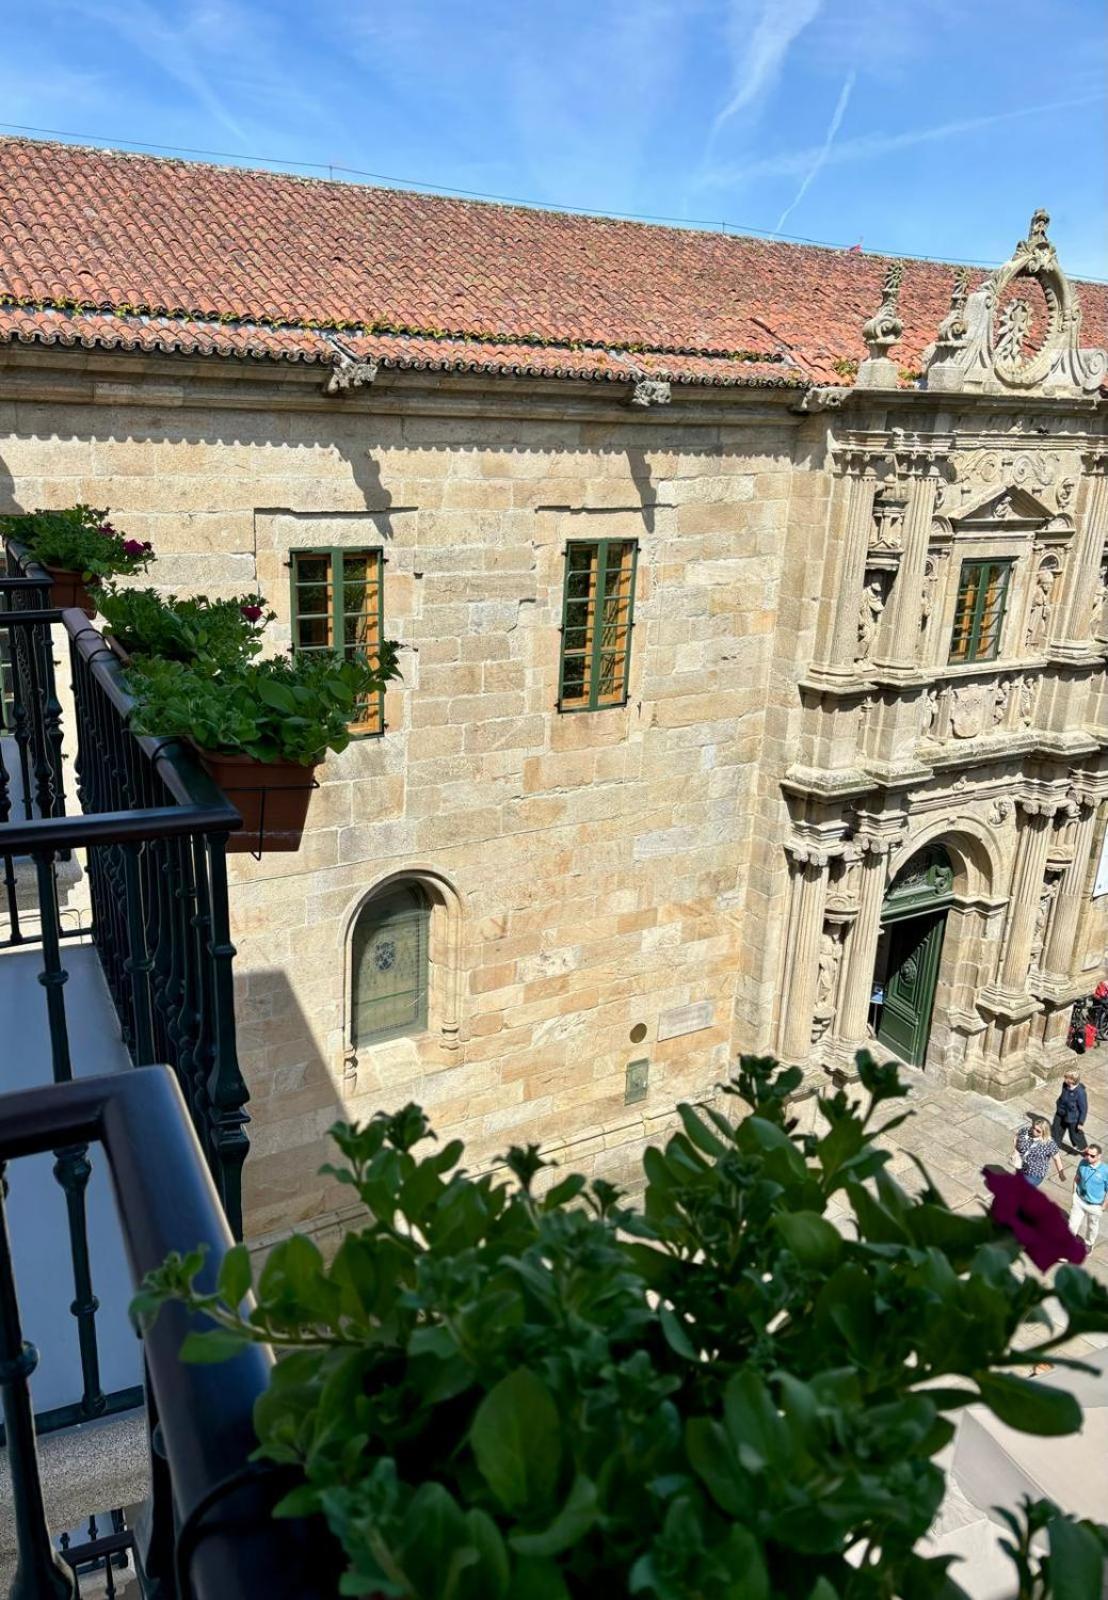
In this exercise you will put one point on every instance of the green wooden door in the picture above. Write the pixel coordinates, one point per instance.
(915, 948)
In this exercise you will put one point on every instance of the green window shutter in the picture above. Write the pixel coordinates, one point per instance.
(980, 611)
(390, 966)
(598, 606)
(338, 604)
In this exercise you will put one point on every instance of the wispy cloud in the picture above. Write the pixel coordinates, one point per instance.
(762, 41)
(796, 163)
(824, 152)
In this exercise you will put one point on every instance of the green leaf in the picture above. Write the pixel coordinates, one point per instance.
(301, 1502)
(715, 1463)
(234, 1275)
(538, 1580)
(1077, 1560)
(813, 1240)
(219, 1344)
(757, 1433)
(516, 1439)
(571, 1523)
(675, 1334)
(1029, 1405)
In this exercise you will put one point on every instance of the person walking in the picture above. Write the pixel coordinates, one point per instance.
(1035, 1150)
(1090, 1191)
(1070, 1111)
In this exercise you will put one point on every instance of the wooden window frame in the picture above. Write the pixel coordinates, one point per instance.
(594, 651)
(973, 654)
(371, 726)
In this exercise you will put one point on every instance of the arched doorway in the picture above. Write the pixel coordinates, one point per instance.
(913, 923)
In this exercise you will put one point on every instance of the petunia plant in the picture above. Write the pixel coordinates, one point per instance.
(213, 633)
(524, 1386)
(79, 539)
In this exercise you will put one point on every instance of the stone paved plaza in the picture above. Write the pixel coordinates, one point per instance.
(957, 1132)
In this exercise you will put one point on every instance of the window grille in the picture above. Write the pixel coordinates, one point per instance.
(979, 612)
(597, 618)
(338, 604)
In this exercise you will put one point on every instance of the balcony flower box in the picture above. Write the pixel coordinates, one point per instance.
(78, 547)
(261, 728)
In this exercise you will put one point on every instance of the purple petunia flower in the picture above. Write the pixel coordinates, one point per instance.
(1038, 1224)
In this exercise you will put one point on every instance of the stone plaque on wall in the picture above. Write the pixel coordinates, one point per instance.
(685, 1019)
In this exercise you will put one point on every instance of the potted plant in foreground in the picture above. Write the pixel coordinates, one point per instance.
(79, 547)
(192, 628)
(260, 727)
(504, 1390)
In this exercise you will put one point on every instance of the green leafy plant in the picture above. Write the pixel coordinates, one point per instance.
(279, 709)
(78, 539)
(216, 633)
(500, 1392)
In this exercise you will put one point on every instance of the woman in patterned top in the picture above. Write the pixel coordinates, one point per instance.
(1035, 1150)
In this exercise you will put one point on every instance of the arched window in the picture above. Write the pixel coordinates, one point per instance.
(391, 965)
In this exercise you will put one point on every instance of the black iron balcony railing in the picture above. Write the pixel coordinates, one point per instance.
(124, 902)
(208, 1532)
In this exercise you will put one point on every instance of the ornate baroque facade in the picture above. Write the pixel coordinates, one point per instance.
(842, 773)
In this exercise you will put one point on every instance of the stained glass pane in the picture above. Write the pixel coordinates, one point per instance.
(390, 966)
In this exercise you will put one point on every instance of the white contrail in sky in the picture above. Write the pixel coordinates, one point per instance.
(765, 46)
(824, 150)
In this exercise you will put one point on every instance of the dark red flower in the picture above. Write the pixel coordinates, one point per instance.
(107, 530)
(1038, 1224)
(251, 613)
(135, 547)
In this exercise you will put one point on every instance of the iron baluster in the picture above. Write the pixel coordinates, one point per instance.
(72, 1169)
(50, 721)
(226, 1087)
(21, 716)
(53, 976)
(137, 963)
(41, 1574)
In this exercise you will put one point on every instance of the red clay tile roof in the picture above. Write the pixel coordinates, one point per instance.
(103, 248)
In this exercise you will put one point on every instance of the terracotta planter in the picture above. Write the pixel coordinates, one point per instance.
(272, 797)
(69, 589)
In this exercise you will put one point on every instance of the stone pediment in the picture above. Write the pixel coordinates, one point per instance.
(1010, 505)
(1036, 484)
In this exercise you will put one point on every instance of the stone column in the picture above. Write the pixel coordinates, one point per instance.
(862, 944)
(900, 651)
(807, 899)
(1027, 884)
(840, 646)
(1058, 958)
(1074, 632)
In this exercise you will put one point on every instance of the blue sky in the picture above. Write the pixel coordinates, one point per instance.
(929, 127)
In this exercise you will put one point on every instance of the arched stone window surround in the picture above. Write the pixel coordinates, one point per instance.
(444, 953)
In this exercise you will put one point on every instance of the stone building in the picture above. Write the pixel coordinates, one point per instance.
(831, 765)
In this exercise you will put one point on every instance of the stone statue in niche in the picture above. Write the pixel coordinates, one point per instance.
(1038, 616)
(1027, 702)
(929, 712)
(1042, 919)
(1100, 599)
(829, 952)
(927, 600)
(873, 604)
(1001, 695)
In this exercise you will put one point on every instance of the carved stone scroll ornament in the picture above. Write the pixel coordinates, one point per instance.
(999, 812)
(998, 351)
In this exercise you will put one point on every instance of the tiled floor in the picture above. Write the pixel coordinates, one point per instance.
(956, 1132)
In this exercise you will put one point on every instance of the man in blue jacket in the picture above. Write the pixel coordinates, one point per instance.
(1070, 1111)
(1090, 1190)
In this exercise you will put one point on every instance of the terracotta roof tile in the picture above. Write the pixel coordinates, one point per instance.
(109, 249)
